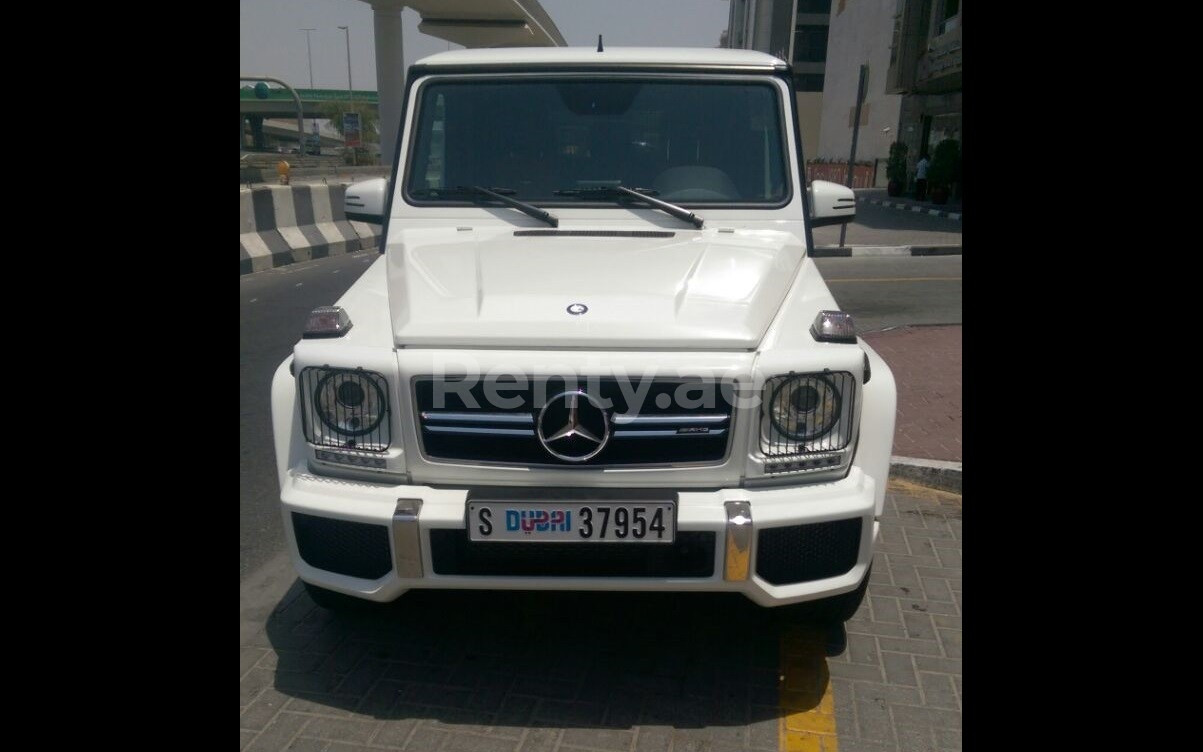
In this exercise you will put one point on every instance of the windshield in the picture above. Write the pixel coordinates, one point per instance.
(692, 142)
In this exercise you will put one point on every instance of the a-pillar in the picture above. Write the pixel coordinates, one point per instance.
(390, 73)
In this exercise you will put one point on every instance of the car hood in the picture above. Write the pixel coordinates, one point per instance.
(486, 288)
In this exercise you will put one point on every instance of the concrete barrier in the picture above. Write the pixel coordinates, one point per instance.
(287, 224)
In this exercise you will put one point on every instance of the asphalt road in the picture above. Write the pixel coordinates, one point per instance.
(271, 311)
(887, 291)
(879, 292)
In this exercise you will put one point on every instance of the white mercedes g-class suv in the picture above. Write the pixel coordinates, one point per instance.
(595, 353)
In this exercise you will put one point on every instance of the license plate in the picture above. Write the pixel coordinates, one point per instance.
(573, 522)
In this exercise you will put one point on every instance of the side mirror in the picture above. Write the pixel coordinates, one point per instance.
(831, 203)
(364, 201)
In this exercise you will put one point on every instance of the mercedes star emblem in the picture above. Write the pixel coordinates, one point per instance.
(573, 427)
(576, 309)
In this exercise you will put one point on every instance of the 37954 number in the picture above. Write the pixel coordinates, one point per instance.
(621, 522)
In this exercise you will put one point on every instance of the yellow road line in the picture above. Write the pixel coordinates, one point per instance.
(896, 279)
(806, 721)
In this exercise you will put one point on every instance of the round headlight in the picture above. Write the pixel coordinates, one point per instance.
(805, 407)
(349, 403)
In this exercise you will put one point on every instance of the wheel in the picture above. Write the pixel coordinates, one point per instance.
(841, 608)
(338, 602)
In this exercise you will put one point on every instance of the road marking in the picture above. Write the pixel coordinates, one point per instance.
(298, 284)
(253, 299)
(806, 720)
(336, 271)
(896, 279)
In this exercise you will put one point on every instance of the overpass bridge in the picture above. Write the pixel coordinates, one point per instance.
(279, 103)
(471, 23)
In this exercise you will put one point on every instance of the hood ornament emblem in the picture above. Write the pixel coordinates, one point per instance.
(573, 427)
(576, 309)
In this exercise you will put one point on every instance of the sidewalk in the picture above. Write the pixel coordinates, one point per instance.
(951, 210)
(926, 362)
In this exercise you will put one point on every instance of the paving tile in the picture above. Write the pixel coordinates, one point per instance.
(555, 678)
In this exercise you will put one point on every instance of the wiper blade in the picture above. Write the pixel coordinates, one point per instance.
(641, 194)
(522, 206)
(497, 194)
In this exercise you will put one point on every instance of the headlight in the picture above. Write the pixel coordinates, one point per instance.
(805, 408)
(345, 408)
(808, 422)
(349, 403)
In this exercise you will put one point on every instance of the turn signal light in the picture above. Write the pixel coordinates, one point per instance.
(327, 321)
(833, 326)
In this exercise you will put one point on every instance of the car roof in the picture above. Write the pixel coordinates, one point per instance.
(589, 57)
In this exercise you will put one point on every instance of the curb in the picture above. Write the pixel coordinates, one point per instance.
(828, 251)
(935, 473)
(907, 206)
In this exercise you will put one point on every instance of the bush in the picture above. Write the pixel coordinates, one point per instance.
(896, 167)
(945, 169)
(362, 156)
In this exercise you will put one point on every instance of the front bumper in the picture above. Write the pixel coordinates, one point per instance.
(388, 542)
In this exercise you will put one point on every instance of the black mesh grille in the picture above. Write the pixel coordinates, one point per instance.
(801, 553)
(351, 548)
(690, 555)
(676, 421)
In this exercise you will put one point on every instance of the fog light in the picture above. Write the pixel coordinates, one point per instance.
(833, 326)
(353, 460)
(327, 321)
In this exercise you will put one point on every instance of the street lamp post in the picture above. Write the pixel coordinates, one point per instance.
(309, 50)
(350, 96)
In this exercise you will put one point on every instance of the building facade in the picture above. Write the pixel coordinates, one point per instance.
(925, 70)
(911, 48)
(796, 31)
(861, 34)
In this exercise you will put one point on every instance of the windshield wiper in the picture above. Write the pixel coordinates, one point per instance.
(496, 194)
(609, 190)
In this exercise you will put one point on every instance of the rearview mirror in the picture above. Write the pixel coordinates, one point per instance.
(830, 203)
(364, 201)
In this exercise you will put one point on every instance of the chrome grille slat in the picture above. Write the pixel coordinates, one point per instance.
(663, 434)
(656, 420)
(481, 430)
(436, 416)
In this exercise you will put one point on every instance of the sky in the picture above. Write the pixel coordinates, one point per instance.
(270, 42)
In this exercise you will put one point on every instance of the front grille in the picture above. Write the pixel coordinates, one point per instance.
(801, 553)
(351, 548)
(690, 555)
(676, 422)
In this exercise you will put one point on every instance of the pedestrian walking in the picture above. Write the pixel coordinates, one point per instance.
(921, 177)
